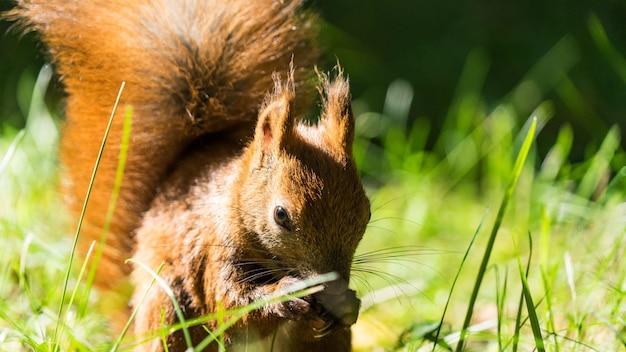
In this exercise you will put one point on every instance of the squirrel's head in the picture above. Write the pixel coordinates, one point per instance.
(305, 207)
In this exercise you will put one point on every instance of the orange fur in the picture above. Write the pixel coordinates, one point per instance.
(211, 159)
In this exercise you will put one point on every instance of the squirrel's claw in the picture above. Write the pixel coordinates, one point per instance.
(325, 330)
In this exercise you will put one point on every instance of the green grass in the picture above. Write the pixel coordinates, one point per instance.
(570, 294)
(479, 239)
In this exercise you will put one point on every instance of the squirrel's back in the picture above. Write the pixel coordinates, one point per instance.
(192, 68)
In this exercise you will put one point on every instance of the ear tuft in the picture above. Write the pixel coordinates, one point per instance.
(275, 124)
(337, 119)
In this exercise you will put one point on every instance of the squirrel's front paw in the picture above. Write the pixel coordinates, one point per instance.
(341, 307)
(295, 308)
(335, 306)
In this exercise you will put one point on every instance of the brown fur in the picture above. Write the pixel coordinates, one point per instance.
(207, 164)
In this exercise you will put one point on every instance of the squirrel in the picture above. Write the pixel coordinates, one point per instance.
(226, 185)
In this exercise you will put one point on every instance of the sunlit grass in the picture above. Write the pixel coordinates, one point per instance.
(570, 295)
(35, 241)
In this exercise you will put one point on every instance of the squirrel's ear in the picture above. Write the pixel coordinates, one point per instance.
(275, 124)
(337, 120)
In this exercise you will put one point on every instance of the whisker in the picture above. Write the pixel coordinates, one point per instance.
(381, 228)
(360, 281)
(390, 279)
(408, 288)
(259, 273)
(399, 252)
(405, 220)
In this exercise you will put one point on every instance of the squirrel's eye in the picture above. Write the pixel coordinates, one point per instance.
(282, 218)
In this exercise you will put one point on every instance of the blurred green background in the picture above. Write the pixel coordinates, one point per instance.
(428, 44)
(551, 45)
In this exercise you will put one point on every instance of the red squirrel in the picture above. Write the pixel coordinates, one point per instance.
(225, 184)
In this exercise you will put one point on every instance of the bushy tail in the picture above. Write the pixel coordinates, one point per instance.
(191, 67)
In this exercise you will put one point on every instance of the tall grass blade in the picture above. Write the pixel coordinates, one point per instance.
(465, 102)
(296, 290)
(172, 296)
(81, 217)
(601, 39)
(616, 187)
(136, 305)
(117, 185)
(517, 170)
(83, 268)
(599, 164)
(556, 158)
(583, 111)
(544, 254)
(162, 331)
(530, 306)
(456, 277)
(518, 318)
(500, 301)
(545, 75)
(11, 151)
(620, 334)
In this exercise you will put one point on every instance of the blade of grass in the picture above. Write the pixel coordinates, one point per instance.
(456, 277)
(22, 265)
(583, 111)
(500, 299)
(219, 339)
(117, 185)
(545, 274)
(517, 170)
(556, 159)
(137, 304)
(296, 290)
(619, 332)
(545, 75)
(530, 307)
(164, 285)
(11, 151)
(83, 268)
(299, 289)
(81, 217)
(599, 164)
(518, 318)
(615, 187)
(163, 335)
(465, 102)
(601, 39)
